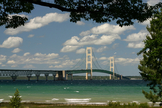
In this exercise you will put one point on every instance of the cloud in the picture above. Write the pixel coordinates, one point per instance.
(91, 40)
(136, 40)
(153, 2)
(136, 45)
(127, 61)
(103, 58)
(58, 66)
(136, 36)
(80, 23)
(147, 22)
(38, 22)
(30, 36)
(107, 29)
(69, 48)
(121, 61)
(12, 42)
(2, 58)
(27, 53)
(16, 50)
(37, 58)
(101, 49)
(76, 42)
(81, 51)
(11, 62)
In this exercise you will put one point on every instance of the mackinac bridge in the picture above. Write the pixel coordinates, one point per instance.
(87, 64)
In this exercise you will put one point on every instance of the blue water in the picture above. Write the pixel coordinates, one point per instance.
(59, 91)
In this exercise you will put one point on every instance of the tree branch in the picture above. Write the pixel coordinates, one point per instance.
(54, 6)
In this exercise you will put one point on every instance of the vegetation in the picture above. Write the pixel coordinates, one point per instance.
(15, 101)
(123, 11)
(151, 64)
(110, 105)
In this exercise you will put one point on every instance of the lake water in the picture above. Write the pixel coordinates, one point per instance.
(76, 90)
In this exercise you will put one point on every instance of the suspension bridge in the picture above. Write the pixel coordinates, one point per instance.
(86, 65)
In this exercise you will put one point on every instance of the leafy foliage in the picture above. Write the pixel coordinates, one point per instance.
(15, 101)
(9, 10)
(151, 64)
(123, 11)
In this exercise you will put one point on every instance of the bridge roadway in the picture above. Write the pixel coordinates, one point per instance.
(59, 74)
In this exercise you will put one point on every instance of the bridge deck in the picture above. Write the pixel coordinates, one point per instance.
(19, 72)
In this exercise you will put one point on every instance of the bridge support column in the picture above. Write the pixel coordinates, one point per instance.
(46, 75)
(28, 76)
(57, 76)
(66, 76)
(63, 74)
(37, 75)
(14, 77)
(110, 76)
(54, 75)
(71, 76)
(121, 77)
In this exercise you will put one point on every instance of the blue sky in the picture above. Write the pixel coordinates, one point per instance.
(50, 41)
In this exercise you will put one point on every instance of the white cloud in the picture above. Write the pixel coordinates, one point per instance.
(75, 42)
(38, 22)
(81, 51)
(136, 45)
(92, 40)
(11, 62)
(127, 61)
(16, 50)
(153, 2)
(3, 58)
(136, 40)
(103, 58)
(58, 66)
(68, 48)
(147, 22)
(80, 23)
(101, 49)
(136, 37)
(27, 53)
(107, 29)
(12, 42)
(72, 41)
(30, 36)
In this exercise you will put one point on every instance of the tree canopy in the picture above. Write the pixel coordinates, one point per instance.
(151, 64)
(124, 12)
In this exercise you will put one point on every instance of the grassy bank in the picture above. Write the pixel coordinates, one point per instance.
(110, 105)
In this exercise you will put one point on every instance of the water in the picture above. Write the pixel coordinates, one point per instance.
(63, 91)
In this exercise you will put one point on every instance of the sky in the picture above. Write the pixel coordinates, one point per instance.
(49, 41)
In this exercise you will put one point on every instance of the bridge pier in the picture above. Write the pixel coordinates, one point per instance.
(46, 76)
(14, 77)
(71, 76)
(121, 77)
(37, 75)
(67, 76)
(29, 76)
(54, 75)
(110, 76)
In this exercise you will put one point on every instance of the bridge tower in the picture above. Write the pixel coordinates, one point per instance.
(112, 66)
(89, 60)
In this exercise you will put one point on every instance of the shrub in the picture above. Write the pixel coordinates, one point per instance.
(143, 105)
(15, 101)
